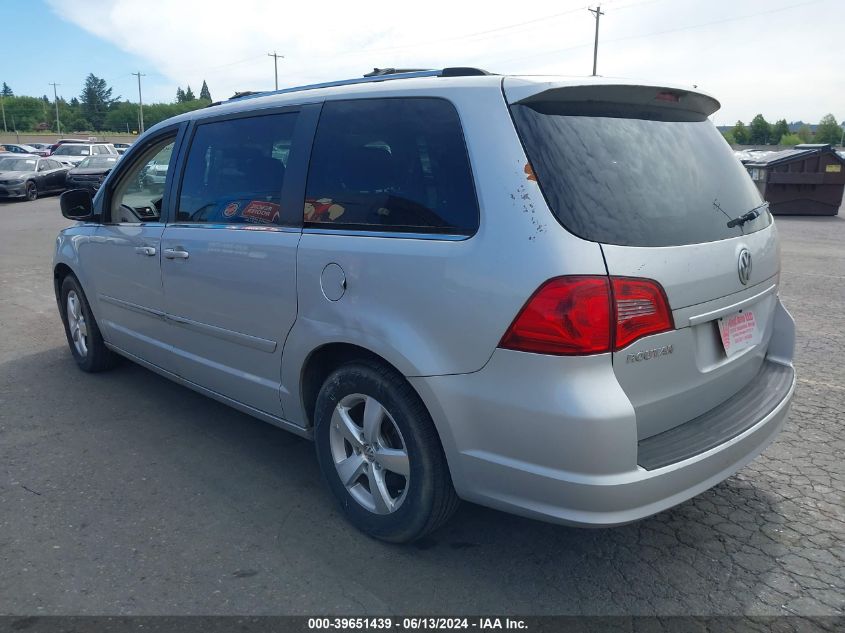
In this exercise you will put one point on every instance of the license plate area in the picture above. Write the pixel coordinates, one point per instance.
(739, 331)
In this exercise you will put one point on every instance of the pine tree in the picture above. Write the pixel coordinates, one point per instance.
(180, 95)
(96, 99)
(7, 92)
(204, 93)
(189, 95)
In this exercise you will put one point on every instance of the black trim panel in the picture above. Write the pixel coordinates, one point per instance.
(734, 416)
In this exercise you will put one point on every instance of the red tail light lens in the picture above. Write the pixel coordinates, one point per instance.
(641, 309)
(566, 316)
(580, 315)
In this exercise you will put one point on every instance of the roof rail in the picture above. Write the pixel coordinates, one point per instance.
(378, 74)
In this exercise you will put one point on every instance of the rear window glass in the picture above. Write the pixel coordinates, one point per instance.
(391, 165)
(637, 181)
(73, 150)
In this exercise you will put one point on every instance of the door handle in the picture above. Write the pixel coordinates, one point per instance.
(176, 253)
(145, 250)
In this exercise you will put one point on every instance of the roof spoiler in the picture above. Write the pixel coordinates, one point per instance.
(611, 96)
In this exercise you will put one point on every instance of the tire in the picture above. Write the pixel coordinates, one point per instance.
(83, 335)
(374, 494)
(31, 191)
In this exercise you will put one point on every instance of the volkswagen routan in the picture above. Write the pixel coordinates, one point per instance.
(555, 297)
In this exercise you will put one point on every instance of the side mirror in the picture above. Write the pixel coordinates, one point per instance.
(77, 204)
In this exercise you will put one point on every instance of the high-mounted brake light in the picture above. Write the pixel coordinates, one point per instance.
(580, 315)
(671, 97)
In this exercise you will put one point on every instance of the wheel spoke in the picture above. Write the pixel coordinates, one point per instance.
(82, 327)
(74, 306)
(373, 416)
(344, 423)
(393, 459)
(378, 488)
(350, 469)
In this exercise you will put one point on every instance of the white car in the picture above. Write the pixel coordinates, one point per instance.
(77, 152)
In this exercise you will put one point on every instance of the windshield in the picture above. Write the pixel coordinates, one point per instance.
(637, 181)
(72, 150)
(97, 162)
(17, 164)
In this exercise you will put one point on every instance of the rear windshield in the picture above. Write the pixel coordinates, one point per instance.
(635, 178)
(72, 150)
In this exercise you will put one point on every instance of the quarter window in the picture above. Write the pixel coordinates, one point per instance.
(391, 165)
(235, 170)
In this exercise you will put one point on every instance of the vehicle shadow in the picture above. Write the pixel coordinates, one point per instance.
(153, 468)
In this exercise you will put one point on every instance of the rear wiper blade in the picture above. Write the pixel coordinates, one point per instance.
(749, 215)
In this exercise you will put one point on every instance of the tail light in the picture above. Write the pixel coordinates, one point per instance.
(579, 315)
(641, 309)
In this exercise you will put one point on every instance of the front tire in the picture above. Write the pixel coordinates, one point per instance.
(31, 191)
(380, 453)
(83, 335)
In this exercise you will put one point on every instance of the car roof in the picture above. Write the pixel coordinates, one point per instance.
(420, 83)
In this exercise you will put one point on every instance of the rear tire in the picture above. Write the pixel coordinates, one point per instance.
(380, 453)
(83, 335)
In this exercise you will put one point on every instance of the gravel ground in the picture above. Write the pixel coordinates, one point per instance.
(123, 493)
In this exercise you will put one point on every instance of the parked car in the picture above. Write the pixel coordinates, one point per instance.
(30, 176)
(91, 172)
(62, 141)
(154, 175)
(15, 148)
(77, 152)
(536, 294)
(40, 149)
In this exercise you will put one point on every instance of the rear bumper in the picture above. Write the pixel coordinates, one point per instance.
(556, 439)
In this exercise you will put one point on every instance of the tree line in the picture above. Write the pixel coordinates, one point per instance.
(95, 109)
(761, 132)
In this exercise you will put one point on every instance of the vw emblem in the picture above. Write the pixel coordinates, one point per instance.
(744, 267)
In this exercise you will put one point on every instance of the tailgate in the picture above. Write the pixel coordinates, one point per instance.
(676, 376)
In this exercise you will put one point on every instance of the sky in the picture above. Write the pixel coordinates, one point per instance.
(781, 58)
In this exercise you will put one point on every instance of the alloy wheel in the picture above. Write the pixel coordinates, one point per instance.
(369, 453)
(76, 324)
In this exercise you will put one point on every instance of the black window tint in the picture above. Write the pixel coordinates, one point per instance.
(633, 178)
(235, 170)
(391, 164)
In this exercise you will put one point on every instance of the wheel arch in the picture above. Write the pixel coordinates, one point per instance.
(322, 361)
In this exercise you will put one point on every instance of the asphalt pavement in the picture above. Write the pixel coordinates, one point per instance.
(123, 493)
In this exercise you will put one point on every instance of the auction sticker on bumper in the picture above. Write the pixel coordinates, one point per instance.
(739, 331)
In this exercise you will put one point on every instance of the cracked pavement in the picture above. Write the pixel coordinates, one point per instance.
(123, 493)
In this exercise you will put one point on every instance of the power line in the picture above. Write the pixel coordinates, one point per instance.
(598, 13)
(665, 31)
(56, 101)
(276, 65)
(139, 74)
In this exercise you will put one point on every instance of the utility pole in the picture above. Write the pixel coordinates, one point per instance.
(598, 13)
(139, 74)
(3, 109)
(276, 65)
(56, 101)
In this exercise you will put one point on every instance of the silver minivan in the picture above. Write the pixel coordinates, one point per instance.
(554, 297)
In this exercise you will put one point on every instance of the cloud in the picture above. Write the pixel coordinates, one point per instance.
(781, 63)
